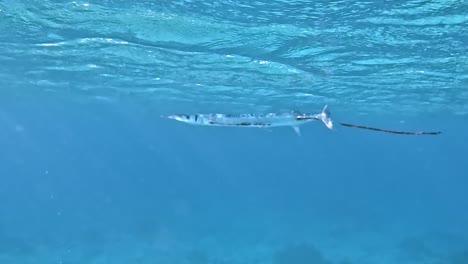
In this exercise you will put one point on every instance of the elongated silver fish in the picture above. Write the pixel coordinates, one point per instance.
(293, 119)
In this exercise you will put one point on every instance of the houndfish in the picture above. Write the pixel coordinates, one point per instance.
(293, 119)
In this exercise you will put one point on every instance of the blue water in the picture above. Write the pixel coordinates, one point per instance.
(90, 172)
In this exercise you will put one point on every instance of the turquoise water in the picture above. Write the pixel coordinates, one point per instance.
(91, 173)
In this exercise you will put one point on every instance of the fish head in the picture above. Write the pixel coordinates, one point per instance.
(182, 118)
(192, 119)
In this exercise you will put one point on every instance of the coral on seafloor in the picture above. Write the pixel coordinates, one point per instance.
(459, 257)
(299, 254)
(415, 250)
(198, 257)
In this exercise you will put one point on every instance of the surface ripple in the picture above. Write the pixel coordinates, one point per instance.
(243, 56)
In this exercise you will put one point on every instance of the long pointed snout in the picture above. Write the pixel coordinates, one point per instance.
(183, 118)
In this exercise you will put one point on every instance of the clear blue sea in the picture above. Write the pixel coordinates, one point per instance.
(90, 173)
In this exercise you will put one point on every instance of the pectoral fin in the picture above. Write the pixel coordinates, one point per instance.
(296, 129)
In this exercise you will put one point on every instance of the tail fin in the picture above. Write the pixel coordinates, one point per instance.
(325, 117)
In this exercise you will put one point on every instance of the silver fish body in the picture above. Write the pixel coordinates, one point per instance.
(293, 119)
